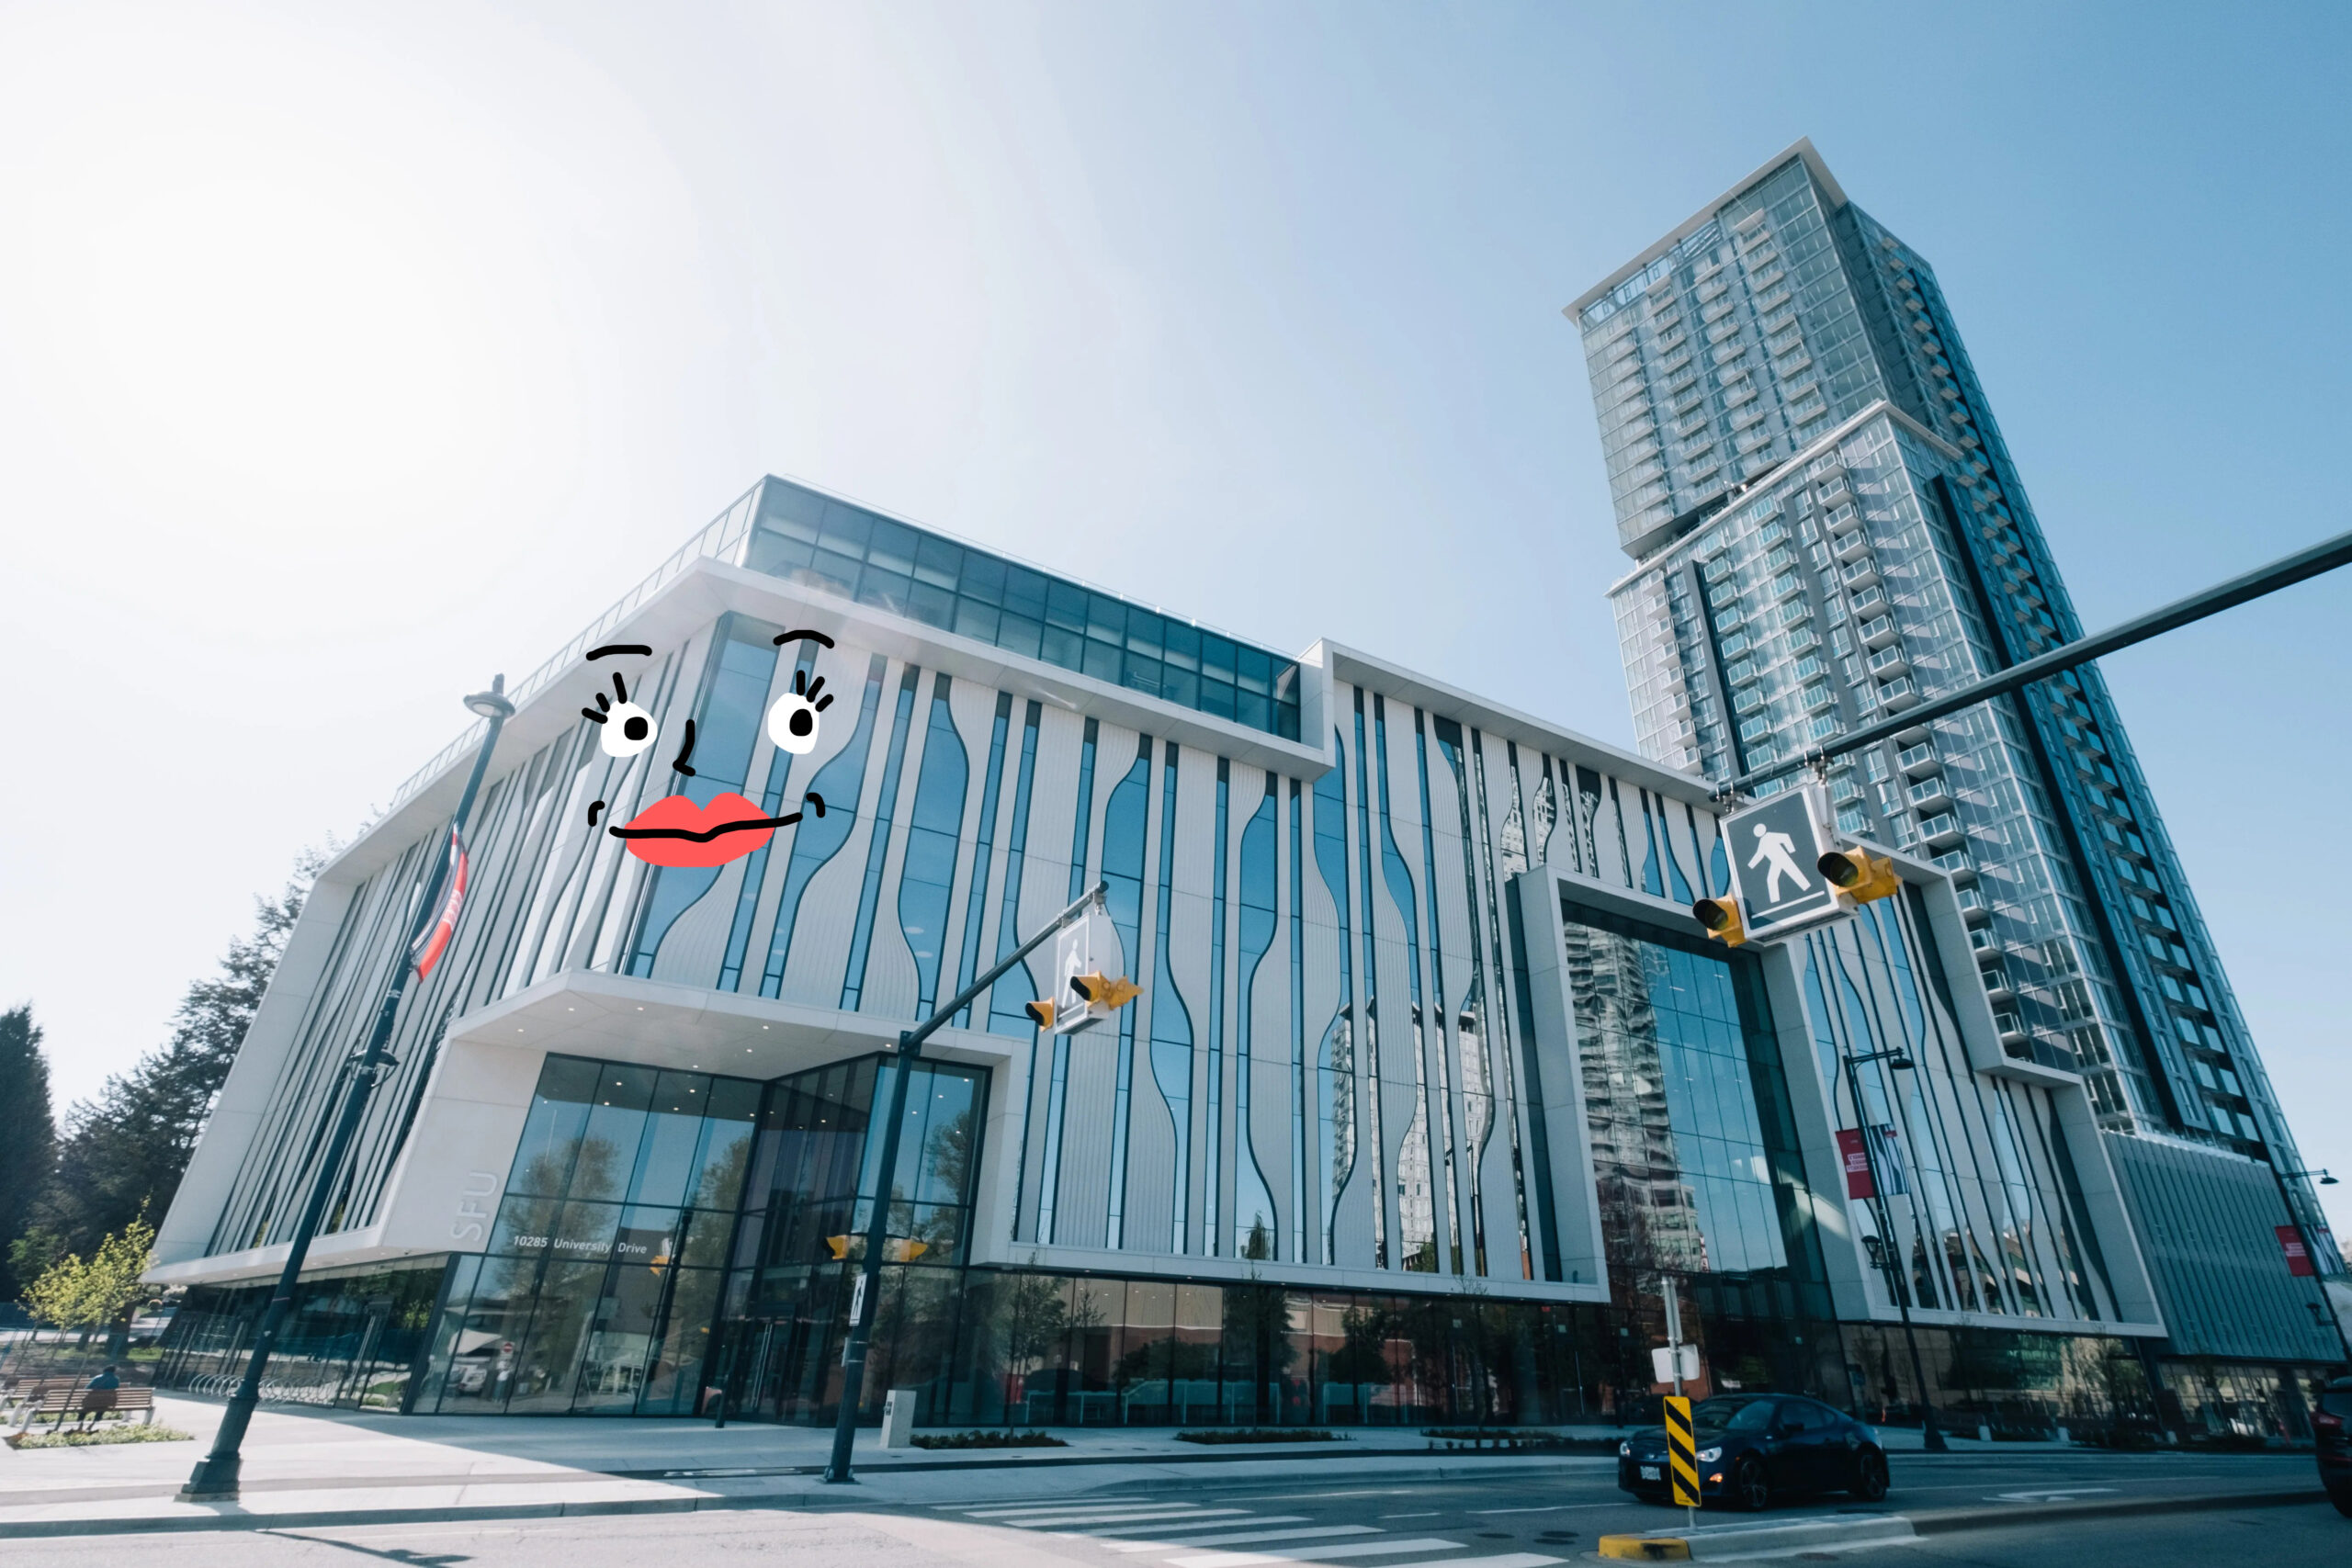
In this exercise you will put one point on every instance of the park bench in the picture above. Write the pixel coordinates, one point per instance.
(91, 1405)
(31, 1391)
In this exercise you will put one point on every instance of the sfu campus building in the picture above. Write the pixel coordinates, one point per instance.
(1431, 1081)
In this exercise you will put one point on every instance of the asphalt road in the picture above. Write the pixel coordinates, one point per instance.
(1348, 1520)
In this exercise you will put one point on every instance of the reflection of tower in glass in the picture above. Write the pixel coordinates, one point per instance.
(1648, 1211)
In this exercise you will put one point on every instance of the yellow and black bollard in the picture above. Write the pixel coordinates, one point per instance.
(1682, 1454)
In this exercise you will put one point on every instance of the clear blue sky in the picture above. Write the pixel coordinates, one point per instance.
(345, 358)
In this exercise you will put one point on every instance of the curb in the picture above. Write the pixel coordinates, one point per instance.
(1732, 1543)
(173, 1523)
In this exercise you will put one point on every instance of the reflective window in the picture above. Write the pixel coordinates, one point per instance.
(1171, 1021)
(1254, 1224)
(1008, 999)
(929, 872)
(844, 549)
(597, 1290)
(1686, 1178)
(1123, 820)
(814, 842)
(1333, 1158)
(877, 847)
(976, 901)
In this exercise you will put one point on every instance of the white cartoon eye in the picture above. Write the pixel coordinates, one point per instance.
(792, 722)
(624, 728)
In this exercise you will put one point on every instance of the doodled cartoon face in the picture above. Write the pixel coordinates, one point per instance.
(675, 830)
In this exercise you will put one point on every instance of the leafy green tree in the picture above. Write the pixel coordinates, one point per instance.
(124, 1152)
(100, 1292)
(28, 1139)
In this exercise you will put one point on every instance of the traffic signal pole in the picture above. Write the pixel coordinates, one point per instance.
(2324, 556)
(867, 1294)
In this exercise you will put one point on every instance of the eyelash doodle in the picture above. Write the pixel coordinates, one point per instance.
(674, 831)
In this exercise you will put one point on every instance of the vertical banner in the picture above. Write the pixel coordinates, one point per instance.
(435, 941)
(1681, 1452)
(2299, 1257)
(1855, 1158)
(1886, 1150)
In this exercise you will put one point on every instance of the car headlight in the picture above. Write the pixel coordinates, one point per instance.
(1709, 1456)
(1624, 1449)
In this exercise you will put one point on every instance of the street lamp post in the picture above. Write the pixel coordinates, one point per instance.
(216, 1474)
(867, 1294)
(2295, 1217)
(1890, 1263)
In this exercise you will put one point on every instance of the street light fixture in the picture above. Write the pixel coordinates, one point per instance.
(216, 1474)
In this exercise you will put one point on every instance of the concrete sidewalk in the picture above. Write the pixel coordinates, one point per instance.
(312, 1466)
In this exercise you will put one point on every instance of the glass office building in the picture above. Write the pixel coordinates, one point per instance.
(1826, 529)
(1429, 1081)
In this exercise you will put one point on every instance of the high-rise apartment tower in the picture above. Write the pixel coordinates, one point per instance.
(1826, 529)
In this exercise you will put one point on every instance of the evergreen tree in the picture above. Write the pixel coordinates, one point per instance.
(124, 1152)
(27, 1136)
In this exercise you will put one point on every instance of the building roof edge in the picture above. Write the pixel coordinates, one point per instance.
(1801, 148)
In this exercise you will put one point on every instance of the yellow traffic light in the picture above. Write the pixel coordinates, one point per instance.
(840, 1244)
(1859, 875)
(1720, 917)
(1041, 1014)
(1104, 992)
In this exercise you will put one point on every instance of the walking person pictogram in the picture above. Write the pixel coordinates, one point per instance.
(1779, 852)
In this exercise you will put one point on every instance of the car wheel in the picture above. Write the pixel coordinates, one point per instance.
(2342, 1501)
(1870, 1476)
(1748, 1486)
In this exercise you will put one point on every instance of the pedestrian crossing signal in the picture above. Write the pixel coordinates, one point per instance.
(1859, 875)
(1681, 1452)
(1041, 1014)
(1720, 917)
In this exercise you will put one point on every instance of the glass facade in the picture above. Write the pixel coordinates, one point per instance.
(353, 1339)
(602, 1277)
(641, 1201)
(824, 543)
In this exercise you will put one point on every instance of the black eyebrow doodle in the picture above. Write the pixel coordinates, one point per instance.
(685, 751)
(784, 637)
(598, 806)
(692, 837)
(620, 647)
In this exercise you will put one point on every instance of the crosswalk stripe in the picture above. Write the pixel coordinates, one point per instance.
(1105, 1534)
(1243, 1537)
(1312, 1554)
(1170, 1515)
(1508, 1560)
(1070, 1504)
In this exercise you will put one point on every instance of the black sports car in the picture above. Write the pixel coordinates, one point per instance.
(1755, 1447)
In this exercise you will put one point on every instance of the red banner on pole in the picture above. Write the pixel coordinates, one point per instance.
(1855, 1155)
(2298, 1257)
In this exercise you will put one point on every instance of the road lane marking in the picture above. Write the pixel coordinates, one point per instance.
(2056, 1496)
(1546, 1508)
(1424, 1514)
(1312, 1553)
